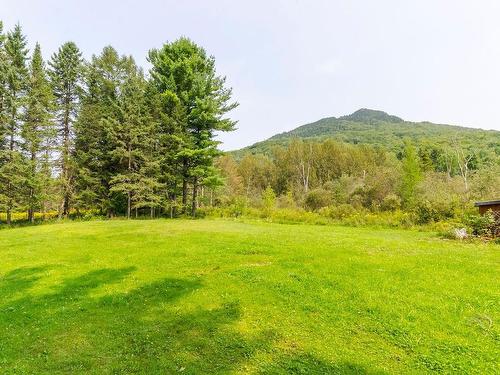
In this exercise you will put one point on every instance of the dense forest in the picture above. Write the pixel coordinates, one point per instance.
(98, 136)
(101, 137)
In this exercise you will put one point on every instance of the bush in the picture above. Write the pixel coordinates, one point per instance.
(268, 201)
(427, 212)
(391, 202)
(286, 201)
(318, 198)
(483, 225)
(339, 212)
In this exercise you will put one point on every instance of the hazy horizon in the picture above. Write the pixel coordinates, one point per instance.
(292, 63)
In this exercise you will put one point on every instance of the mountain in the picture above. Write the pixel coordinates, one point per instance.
(367, 126)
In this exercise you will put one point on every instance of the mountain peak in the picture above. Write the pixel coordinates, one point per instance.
(367, 115)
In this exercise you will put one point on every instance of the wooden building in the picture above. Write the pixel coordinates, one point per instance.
(489, 205)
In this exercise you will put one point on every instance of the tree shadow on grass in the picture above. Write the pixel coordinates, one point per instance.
(145, 331)
(142, 331)
(304, 363)
(19, 280)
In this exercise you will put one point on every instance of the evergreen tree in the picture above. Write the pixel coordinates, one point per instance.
(3, 89)
(38, 134)
(167, 116)
(3, 115)
(198, 98)
(3, 95)
(92, 133)
(95, 133)
(134, 139)
(12, 165)
(65, 76)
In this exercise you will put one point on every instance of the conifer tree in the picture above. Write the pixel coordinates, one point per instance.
(167, 117)
(12, 167)
(133, 136)
(3, 115)
(94, 137)
(3, 94)
(38, 134)
(65, 76)
(3, 89)
(187, 79)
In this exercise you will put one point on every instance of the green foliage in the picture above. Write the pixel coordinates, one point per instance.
(318, 198)
(339, 212)
(14, 87)
(38, 134)
(65, 77)
(268, 201)
(389, 132)
(487, 225)
(196, 98)
(411, 175)
(391, 202)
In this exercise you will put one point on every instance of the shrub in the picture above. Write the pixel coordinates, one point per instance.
(339, 212)
(318, 198)
(268, 201)
(427, 212)
(483, 225)
(286, 201)
(391, 202)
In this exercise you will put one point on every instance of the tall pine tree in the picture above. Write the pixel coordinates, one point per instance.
(38, 135)
(12, 167)
(94, 139)
(65, 76)
(133, 133)
(3, 96)
(193, 94)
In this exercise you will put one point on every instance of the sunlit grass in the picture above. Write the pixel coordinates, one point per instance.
(209, 296)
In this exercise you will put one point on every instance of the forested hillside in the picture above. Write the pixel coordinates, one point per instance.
(380, 129)
(366, 167)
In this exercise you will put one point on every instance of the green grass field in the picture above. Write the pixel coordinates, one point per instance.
(208, 296)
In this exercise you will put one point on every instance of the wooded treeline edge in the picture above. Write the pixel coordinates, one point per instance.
(102, 137)
(98, 135)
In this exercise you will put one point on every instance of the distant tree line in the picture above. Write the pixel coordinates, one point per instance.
(99, 135)
(433, 182)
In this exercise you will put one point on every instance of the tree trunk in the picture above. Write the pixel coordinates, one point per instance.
(65, 158)
(43, 211)
(184, 184)
(66, 204)
(31, 210)
(184, 194)
(31, 213)
(129, 193)
(9, 215)
(173, 208)
(129, 204)
(195, 195)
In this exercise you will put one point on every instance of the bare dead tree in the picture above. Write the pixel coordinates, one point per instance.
(463, 159)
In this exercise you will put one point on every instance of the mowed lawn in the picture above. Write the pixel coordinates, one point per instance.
(209, 296)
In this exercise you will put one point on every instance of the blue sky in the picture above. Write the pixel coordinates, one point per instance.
(293, 62)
